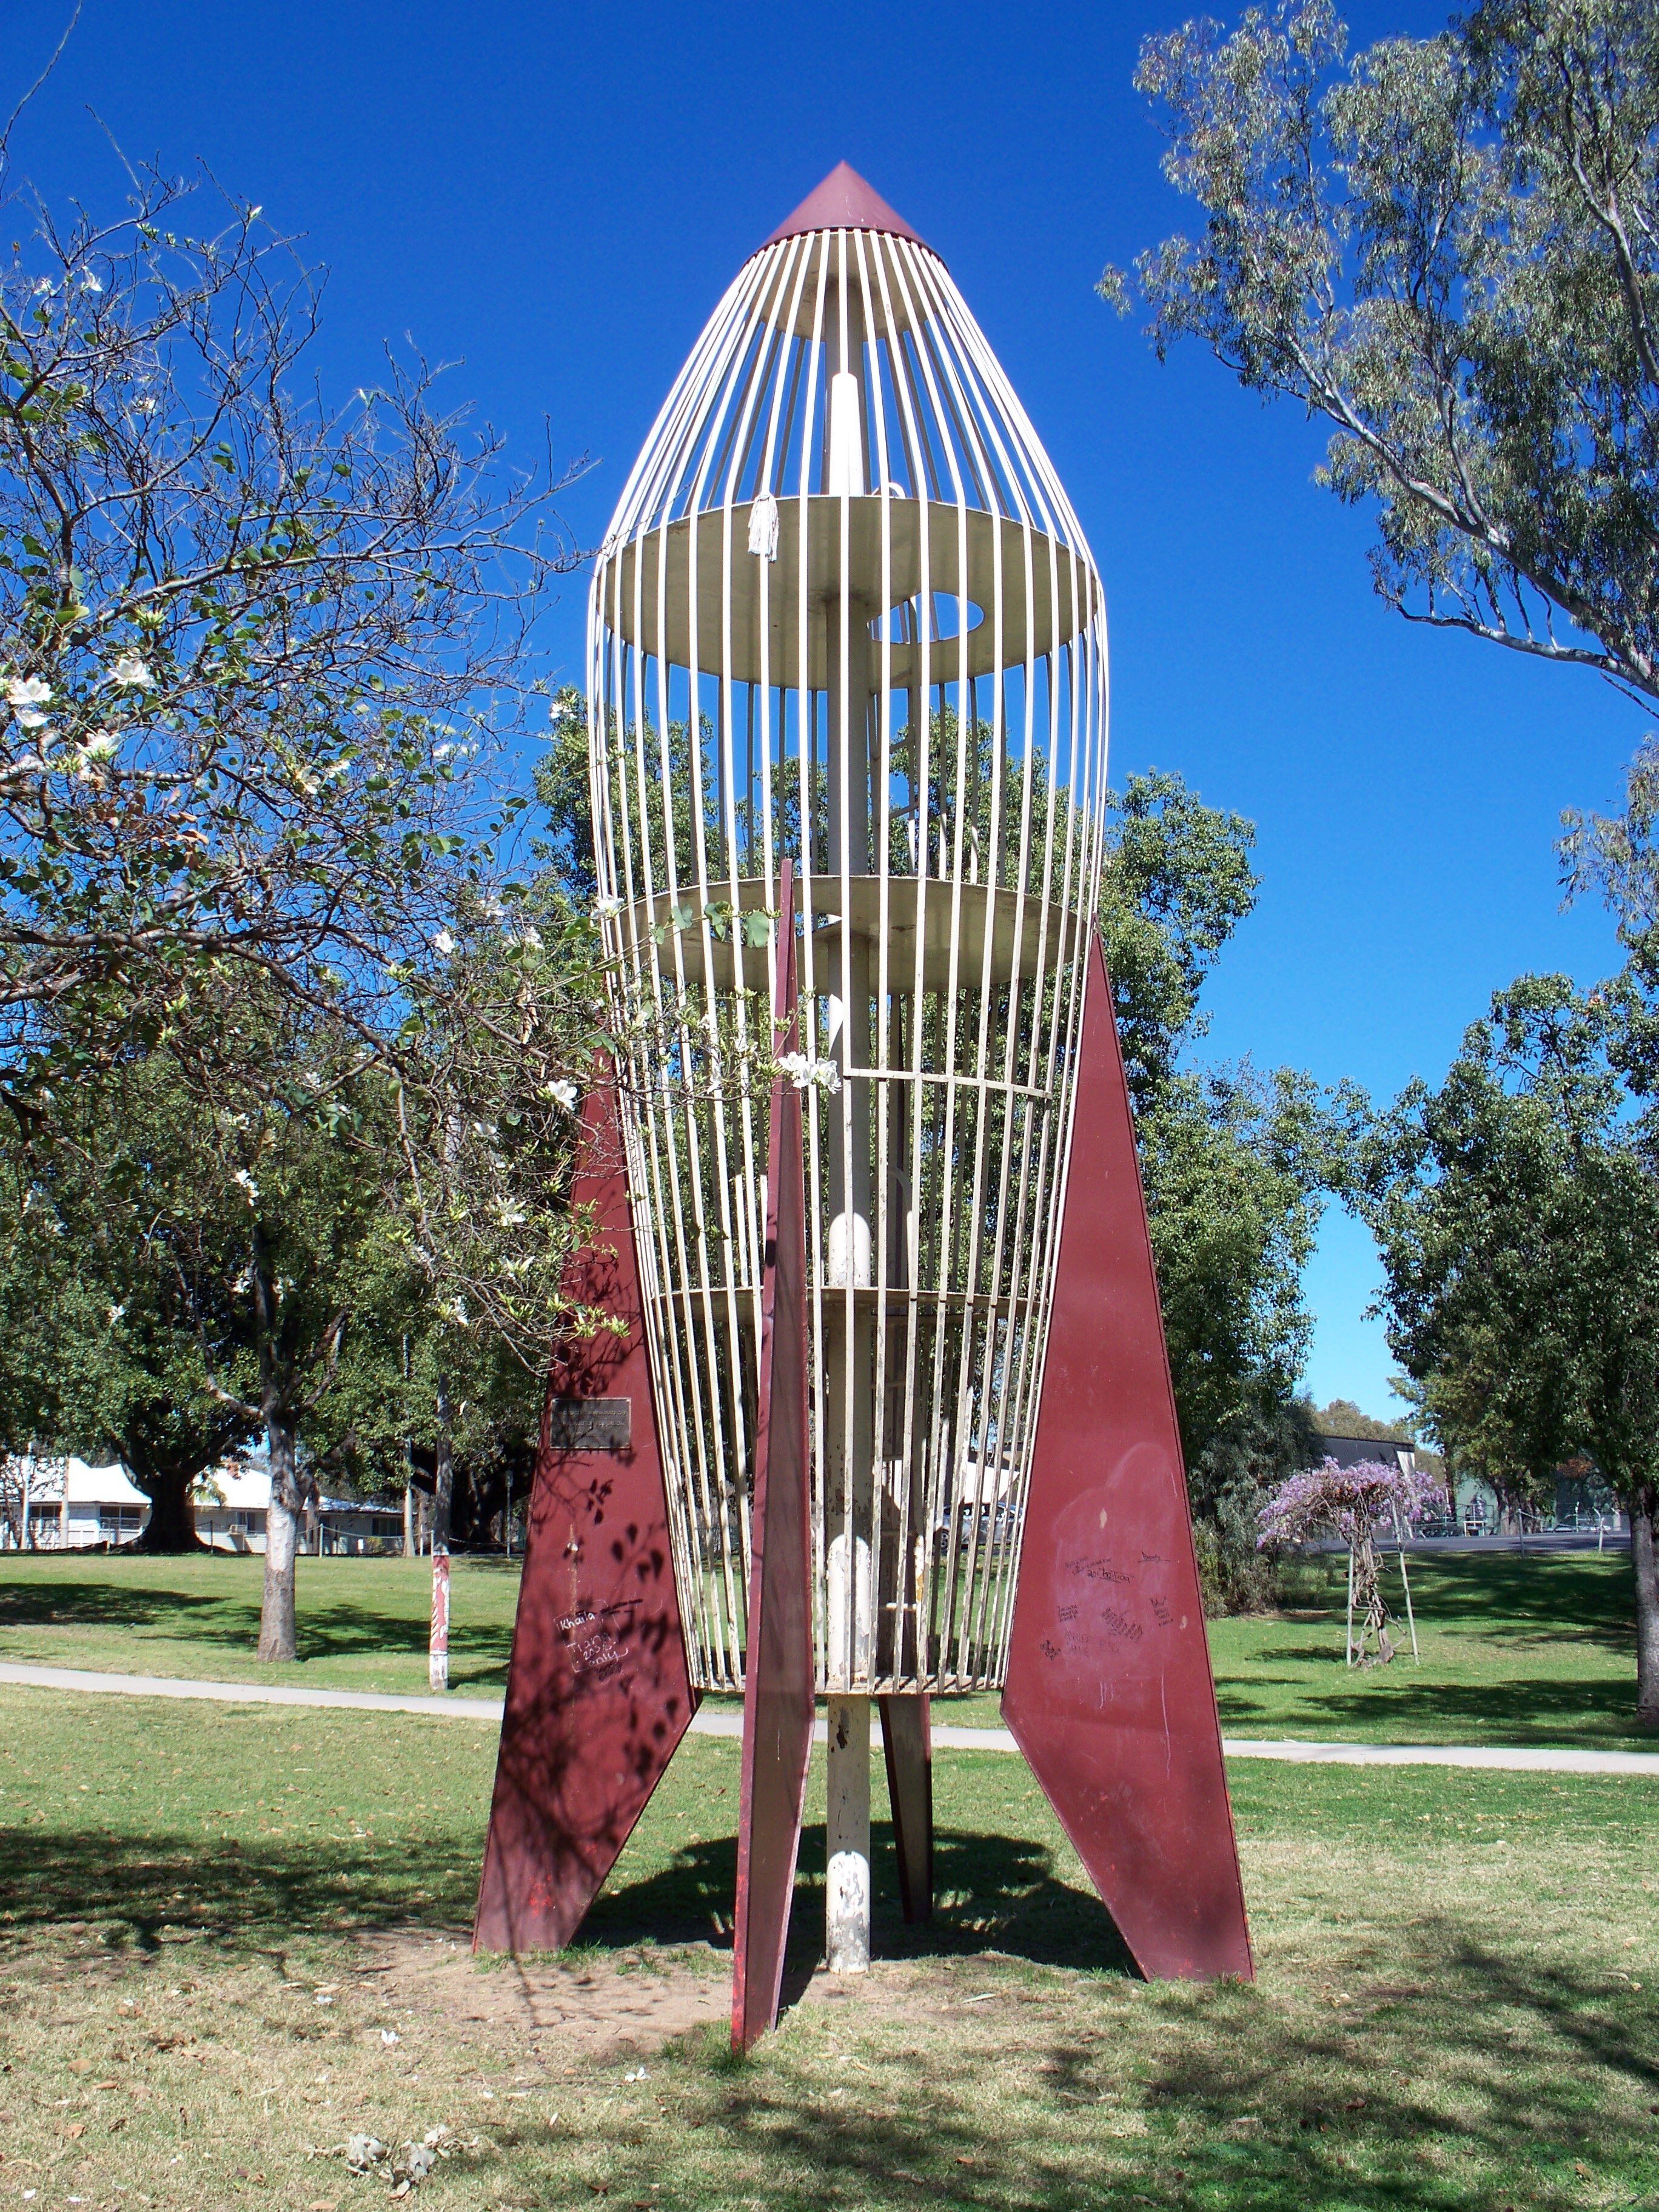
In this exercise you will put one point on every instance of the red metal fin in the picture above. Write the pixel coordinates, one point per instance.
(598, 1694)
(1109, 1693)
(779, 1702)
(907, 1740)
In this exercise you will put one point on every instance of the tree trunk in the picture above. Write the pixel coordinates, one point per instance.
(276, 1640)
(1645, 1567)
(443, 1488)
(443, 1499)
(171, 1523)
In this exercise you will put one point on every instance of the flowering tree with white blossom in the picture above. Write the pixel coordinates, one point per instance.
(254, 649)
(260, 658)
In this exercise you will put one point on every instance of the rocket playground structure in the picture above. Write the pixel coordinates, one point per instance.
(886, 1412)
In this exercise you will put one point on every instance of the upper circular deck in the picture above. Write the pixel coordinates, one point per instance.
(843, 367)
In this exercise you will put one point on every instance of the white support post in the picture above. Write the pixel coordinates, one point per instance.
(1411, 1617)
(437, 1671)
(848, 1891)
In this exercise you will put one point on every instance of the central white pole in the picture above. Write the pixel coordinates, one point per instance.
(849, 1896)
(850, 1328)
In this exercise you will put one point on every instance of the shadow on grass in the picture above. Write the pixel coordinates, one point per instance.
(101, 1603)
(1577, 1597)
(326, 1629)
(1530, 1709)
(241, 1896)
(991, 1893)
(1248, 2104)
(995, 1893)
(1250, 2100)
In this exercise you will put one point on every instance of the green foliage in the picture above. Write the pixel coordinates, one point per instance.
(1176, 883)
(101, 1354)
(561, 792)
(1244, 1458)
(266, 1209)
(1517, 1210)
(1449, 248)
(1234, 1164)
(1342, 1417)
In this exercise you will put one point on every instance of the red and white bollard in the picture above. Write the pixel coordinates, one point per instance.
(437, 1672)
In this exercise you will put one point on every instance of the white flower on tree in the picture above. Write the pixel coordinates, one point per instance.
(803, 1071)
(131, 673)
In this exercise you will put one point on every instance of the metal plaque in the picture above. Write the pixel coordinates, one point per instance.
(589, 1424)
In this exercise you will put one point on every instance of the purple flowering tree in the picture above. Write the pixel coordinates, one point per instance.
(1357, 1505)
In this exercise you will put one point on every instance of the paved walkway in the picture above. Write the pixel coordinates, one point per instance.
(1517, 1759)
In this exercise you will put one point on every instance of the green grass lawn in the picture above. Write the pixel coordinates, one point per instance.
(1537, 1650)
(212, 1919)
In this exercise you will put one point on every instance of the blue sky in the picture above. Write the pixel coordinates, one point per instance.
(555, 197)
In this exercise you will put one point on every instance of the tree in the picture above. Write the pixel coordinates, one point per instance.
(1449, 249)
(1265, 1440)
(1517, 1211)
(101, 1353)
(257, 657)
(252, 649)
(1176, 883)
(261, 1215)
(1375, 1498)
(1342, 1417)
(1233, 1163)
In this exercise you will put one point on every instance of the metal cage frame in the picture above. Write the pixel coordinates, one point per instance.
(845, 615)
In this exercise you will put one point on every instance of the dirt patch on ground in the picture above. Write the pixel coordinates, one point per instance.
(609, 2005)
(593, 2008)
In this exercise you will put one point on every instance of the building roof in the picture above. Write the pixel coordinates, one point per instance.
(844, 201)
(243, 1485)
(101, 1485)
(1350, 1451)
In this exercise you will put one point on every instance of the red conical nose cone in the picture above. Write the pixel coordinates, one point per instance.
(844, 201)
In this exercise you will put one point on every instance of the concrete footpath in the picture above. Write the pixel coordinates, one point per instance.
(1520, 1760)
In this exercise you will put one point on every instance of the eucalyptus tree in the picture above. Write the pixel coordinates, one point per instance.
(1448, 249)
